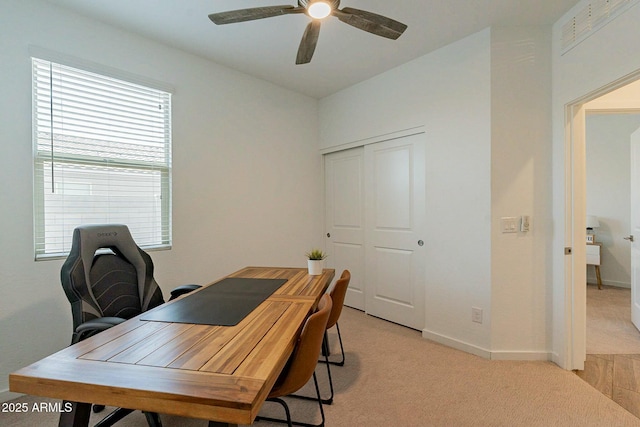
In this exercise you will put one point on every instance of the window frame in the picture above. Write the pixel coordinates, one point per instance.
(41, 158)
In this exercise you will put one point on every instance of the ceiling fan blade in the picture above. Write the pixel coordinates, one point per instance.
(251, 14)
(371, 22)
(308, 43)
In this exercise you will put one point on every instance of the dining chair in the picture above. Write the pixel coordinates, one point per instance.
(107, 279)
(301, 365)
(338, 293)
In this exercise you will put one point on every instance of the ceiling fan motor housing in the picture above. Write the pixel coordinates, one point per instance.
(306, 3)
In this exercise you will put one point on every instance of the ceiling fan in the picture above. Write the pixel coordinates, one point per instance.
(317, 10)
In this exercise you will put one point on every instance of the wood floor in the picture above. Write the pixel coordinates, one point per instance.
(613, 347)
(617, 376)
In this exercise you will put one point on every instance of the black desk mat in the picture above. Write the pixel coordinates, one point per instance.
(224, 303)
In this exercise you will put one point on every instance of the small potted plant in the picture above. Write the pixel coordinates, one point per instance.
(315, 261)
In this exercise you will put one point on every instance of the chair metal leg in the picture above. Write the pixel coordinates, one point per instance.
(153, 419)
(329, 400)
(315, 382)
(288, 413)
(326, 351)
(340, 363)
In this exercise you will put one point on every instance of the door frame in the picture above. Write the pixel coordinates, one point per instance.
(575, 221)
(634, 147)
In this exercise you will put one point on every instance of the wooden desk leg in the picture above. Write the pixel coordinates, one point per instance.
(77, 417)
(598, 276)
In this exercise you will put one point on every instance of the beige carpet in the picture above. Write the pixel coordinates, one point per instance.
(394, 377)
(609, 327)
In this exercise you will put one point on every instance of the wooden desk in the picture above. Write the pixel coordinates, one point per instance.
(218, 373)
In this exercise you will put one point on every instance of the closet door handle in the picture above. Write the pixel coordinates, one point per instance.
(630, 238)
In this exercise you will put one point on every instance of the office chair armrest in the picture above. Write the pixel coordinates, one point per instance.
(181, 290)
(93, 326)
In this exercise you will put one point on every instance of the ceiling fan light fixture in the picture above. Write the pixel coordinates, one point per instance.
(319, 9)
(316, 10)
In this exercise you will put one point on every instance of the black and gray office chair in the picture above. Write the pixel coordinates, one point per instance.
(108, 279)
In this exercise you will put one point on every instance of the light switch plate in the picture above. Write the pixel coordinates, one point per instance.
(509, 224)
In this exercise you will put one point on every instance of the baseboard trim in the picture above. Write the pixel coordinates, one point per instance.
(538, 356)
(457, 344)
(615, 284)
(561, 362)
(484, 353)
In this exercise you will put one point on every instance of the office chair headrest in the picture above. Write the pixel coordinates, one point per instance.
(116, 237)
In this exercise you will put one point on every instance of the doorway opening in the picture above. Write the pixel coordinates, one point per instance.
(576, 210)
(608, 132)
(603, 128)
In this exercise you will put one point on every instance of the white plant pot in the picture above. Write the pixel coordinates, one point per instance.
(315, 266)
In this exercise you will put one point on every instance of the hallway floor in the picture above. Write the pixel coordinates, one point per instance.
(617, 376)
(613, 347)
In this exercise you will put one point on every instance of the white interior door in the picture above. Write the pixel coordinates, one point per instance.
(635, 228)
(395, 210)
(575, 237)
(344, 213)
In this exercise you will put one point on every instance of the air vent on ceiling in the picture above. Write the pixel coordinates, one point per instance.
(591, 18)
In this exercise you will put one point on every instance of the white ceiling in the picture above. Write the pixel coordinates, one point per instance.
(344, 56)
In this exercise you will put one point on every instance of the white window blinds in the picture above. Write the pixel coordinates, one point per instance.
(102, 155)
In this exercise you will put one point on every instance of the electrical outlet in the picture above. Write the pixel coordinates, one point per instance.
(476, 315)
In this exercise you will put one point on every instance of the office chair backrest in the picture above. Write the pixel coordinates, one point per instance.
(304, 359)
(337, 297)
(118, 283)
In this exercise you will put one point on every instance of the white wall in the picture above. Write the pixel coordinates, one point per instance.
(447, 92)
(484, 102)
(520, 185)
(246, 168)
(606, 56)
(608, 188)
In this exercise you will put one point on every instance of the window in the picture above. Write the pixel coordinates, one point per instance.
(102, 155)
